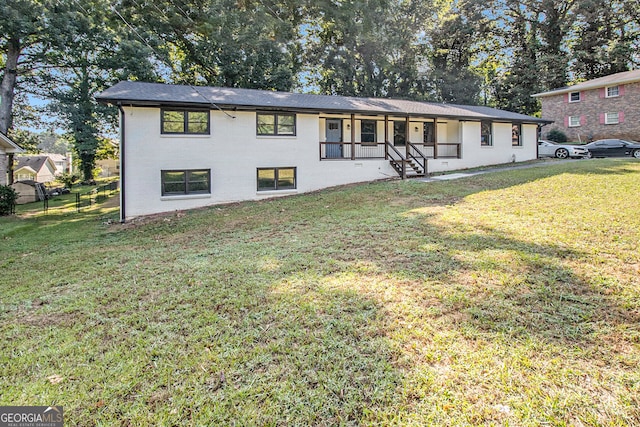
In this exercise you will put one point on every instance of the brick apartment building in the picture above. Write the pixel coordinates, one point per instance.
(607, 107)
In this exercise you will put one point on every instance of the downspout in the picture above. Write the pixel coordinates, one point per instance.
(123, 187)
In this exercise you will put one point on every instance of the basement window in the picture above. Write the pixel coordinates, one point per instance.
(189, 181)
(270, 179)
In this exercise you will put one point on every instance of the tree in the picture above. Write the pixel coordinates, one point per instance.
(454, 49)
(96, 53)
(27, 140)
(68, 179)
(365, 47)
(604, 39)
(249, 44)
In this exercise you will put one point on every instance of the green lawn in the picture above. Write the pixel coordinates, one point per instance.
(507, 299)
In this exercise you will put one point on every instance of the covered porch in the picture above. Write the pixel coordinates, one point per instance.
(406, 141)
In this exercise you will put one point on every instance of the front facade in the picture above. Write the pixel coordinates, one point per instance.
(606, 107)
(183, 147)
(35, 168)
(8, 149)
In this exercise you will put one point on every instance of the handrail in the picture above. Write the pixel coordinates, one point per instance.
(417, 149)
(402, 161)
(422, 160)
(394, 149)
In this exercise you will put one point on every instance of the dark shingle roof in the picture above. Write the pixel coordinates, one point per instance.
(158, 94)
(34, 162)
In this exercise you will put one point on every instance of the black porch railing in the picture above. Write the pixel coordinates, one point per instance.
(360, 150)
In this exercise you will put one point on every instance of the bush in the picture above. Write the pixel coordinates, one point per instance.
(556, 135)
(68, 179)
(8, 197)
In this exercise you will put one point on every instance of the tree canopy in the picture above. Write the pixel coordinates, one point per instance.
(495, 52)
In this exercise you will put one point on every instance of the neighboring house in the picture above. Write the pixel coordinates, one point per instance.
(61, 161)
(184, 147)
(29, 191)
(108, 167)
(35, 168)
(607, 107)
(7, 150)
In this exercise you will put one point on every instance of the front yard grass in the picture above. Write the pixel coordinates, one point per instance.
(511, 298)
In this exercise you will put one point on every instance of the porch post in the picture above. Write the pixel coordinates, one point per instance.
(353, 136)
(408, 132)
(435, 138)
(386, 137)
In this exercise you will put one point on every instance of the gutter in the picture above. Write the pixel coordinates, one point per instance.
(123, 206)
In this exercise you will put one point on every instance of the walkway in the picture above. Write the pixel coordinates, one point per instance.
(458, 175)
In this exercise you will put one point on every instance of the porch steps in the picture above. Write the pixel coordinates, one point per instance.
(413, 169)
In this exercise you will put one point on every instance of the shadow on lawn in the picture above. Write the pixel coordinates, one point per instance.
(277, 313)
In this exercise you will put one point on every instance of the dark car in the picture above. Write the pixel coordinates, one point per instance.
(613, 148)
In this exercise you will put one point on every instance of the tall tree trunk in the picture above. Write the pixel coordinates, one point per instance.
(6, 103)
(8, 84)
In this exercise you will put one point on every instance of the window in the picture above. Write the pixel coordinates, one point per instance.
(611, 118)
(276, 179)
(429, 133)
(276, 124)
(399, 133)
(485, 134)
(574, 97)
(185, 121)
(574, 121)
(613, 91)
(516, 135)
(178, 182)
(368, 132)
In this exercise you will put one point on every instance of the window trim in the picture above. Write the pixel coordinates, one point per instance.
(276, 171)
(574, 125)
(276, 115)
(186, 112)
(186, 192)
(575, 100)
(606, 91)
(488, 143)
(375, 132)
(518, 140)
(607, 121)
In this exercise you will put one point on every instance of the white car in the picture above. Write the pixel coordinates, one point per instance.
(561, 151)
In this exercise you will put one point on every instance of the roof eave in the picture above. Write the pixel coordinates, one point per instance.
(245, 107)
(10, 146)
(584, 86)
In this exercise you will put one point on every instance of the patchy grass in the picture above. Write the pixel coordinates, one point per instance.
(510, 298)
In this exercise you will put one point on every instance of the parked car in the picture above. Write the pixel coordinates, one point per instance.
(613, 148)
(561, 151)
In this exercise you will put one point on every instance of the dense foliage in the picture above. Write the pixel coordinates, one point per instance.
(495, 52)
(8, 197)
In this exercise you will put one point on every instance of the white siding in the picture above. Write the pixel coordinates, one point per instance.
(475, 155)
(233, 152)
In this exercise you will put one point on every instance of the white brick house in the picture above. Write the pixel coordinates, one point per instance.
(184, 147)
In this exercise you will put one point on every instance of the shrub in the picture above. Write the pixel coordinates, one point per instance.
(8, 197)
(68, 179)
(556, 135)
